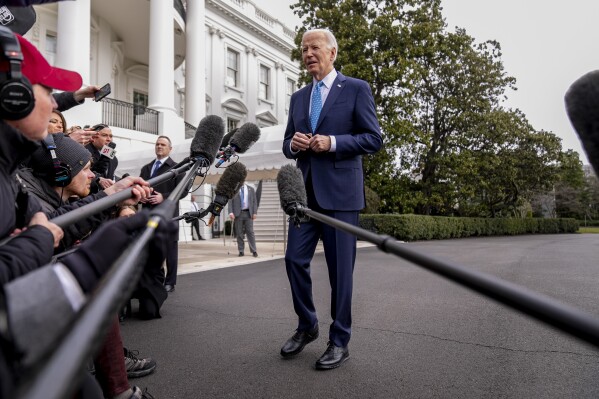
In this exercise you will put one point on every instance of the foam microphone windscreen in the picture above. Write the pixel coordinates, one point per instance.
(227, 138)
(290, 183)
(245, 137)
(582, 107)
(208, 137)
(231, 180)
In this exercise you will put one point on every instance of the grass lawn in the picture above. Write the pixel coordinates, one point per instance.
(589, 230)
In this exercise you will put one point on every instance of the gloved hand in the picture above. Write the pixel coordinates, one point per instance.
(97, 254)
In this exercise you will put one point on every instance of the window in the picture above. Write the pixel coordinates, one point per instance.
(232, 68)
(290, 90)
(50, 50)
(231, 124)
(140, 98)
(264, 89)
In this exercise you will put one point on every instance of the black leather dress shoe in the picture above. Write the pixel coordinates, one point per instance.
(296, 343)
(333, 357)
(241, 254)
(169, 288)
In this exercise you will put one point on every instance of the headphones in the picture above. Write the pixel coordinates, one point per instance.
(62, 171)
(16, 93)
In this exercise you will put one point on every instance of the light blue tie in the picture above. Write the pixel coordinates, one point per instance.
(155, 168)
(316, 106)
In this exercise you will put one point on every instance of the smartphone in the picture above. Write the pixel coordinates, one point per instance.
(103, 92)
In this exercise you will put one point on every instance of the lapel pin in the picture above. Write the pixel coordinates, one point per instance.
(338, 85)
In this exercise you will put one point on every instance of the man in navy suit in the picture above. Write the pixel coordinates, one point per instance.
(332, 123)
(162, 164)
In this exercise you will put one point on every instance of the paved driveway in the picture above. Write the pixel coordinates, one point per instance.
(415, 335)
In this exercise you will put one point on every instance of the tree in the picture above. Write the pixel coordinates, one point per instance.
(570, 187)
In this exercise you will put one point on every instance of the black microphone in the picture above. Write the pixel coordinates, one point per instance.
(209, 134)
(582, 107)
(292, 192)
(241, 141)
(227, 138)
(106, 154)
(226, 188)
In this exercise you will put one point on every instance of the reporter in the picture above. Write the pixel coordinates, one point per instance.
(59, 194)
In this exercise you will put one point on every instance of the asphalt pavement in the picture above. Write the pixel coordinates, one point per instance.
(415, 334)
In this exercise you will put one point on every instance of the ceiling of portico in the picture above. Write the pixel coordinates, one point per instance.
(130, 20)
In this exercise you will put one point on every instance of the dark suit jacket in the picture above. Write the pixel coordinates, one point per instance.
(235, 203)
(108, 173)
(166, 187)
(348, 114)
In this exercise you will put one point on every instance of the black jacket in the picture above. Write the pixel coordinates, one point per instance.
(53, 206)
(34, 247)
(166, 187)
(99, 167)
(66, 100)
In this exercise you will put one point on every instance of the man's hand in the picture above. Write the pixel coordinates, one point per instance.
(85, 92)
(320, 143)
(154, 198)
(105, 183)
(254, 216)
(139, 192)
(41, 219)
(232, 216)
(300, 141)
(81, 136)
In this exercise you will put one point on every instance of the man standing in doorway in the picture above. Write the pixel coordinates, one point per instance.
(162, 164)
(243, 210)
(332, 123)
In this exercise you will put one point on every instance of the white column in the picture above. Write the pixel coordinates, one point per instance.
(195, 61)
(252, 81)
(162, 56)
(73, 37)
(161, 79)
(218, 65)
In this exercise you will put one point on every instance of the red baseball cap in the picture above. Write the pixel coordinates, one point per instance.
(39, 71)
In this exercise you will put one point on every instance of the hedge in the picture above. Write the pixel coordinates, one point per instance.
(419, 227)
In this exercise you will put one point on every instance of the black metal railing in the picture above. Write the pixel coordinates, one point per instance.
(180, 7)
(190, 130)
(129, 116)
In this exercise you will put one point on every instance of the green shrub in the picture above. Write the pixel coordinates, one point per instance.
(420, 227)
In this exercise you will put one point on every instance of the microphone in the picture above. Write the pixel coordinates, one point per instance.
(209, 135)
(226, 188)
(227, 138)
(292, 192)
(582, 107)
(107, 153)
(241, 141)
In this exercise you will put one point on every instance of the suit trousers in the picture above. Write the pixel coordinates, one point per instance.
(244, 225)
(172, 258)
(195, 225)
(340, 255)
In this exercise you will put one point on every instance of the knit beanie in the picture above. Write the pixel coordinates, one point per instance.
(68, 151)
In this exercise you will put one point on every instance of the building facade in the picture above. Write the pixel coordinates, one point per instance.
(169, 64)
